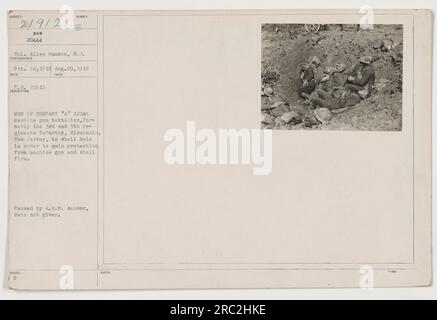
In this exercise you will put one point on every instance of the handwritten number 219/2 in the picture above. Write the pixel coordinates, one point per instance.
(40, 23)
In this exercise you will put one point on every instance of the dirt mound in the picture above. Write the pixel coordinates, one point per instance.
(287, 47)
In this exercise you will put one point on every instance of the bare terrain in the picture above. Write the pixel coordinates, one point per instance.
(287, 47)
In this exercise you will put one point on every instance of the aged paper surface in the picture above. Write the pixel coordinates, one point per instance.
(114, 185)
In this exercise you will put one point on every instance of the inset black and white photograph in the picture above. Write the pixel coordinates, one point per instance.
(332, 77)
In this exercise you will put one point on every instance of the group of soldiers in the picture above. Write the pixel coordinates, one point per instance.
(337, 88)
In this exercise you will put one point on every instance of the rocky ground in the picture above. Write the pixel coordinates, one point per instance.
(287, 47)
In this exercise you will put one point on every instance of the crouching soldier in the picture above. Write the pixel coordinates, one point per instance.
(308, 82)
(362, 79)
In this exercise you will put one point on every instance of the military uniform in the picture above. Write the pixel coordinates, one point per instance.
(308, 82)
(365, 76)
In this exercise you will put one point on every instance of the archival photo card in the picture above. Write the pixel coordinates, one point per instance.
(137, 160)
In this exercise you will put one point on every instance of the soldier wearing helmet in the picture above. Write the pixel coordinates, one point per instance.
(362, 78)
(308, 77)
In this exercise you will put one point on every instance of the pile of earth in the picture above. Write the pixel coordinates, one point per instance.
(287, 47)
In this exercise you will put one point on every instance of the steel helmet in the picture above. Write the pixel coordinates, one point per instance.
(366, 60)
(316, 61)
(329, 70)
(268, 91)
(323, 115)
